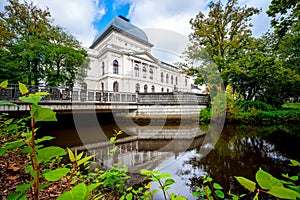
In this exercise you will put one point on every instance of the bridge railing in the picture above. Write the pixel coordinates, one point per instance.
(12, 93)
(172, 97)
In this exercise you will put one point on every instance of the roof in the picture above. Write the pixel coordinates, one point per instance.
(122, 25)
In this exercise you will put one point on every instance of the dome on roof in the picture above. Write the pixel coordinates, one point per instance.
(123, 26)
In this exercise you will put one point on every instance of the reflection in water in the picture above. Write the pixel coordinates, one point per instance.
(239, 151)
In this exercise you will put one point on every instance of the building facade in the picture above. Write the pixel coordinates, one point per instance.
(121, 61)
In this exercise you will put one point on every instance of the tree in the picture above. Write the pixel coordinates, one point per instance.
(284, 14)
(65, 59)
(219, 38)
(32, 47)
(285, 21)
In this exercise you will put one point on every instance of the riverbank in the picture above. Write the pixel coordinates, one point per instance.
(257, 113)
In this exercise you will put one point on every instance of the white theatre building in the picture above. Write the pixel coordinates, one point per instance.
(121, 61)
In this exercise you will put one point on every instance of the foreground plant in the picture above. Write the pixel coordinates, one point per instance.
(42, 159)
(268, 184)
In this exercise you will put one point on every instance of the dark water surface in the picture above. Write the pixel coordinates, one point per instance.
(177, 149)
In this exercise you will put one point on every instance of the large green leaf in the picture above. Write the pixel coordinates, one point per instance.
(83, 160)
(50, 152)
(248, 184)
(45, 138)
(266, 181)
(33, 100)
(2, 151)
(23, 89)
(15, 144)
(42, 114)
(4, 84)
(56, 174)
(16, 196)
(284, 193)
(79, 192)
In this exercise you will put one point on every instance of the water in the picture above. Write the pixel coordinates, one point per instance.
(240, 150)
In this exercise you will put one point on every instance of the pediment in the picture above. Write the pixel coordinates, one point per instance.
(145, 56)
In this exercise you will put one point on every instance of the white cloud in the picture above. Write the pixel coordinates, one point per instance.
(76, 16)
(175, 15)
(168, 14)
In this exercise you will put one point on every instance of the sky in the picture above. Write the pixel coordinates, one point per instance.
(85, 18)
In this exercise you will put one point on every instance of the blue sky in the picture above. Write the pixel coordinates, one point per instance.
(85, 18)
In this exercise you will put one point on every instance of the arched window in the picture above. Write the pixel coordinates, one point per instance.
(162, 77)
(115, 67)
(167, 78)
(172, 79)
(151, 73)
(116, 86)
(168, 90)
(103, 72)
(176, 80)
(162, 89)
(152, 89)
(136, 70)
(84, 86)
(146, 88)
(137, 88)
(144, 72)
(185, 82)
(102, 87)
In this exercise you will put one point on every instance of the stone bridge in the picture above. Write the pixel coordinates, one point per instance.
(129, 104)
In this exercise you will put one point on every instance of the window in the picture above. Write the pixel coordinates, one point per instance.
(162, 89)
(102, 87)
(167, 78)
(145, 88)
(103, 72)
(152, 89)
(172, 79)
(115, 67)
(144, 72)
(185, 82)
(151, 73)
(116, 86)
(136, 70)
(162, 77)
(168, 90)
(176, 80)
(137, 88)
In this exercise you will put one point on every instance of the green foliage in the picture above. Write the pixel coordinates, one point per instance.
(163, 179)
(273, 186)
(291, 106)
(32, 50)
(248, 184)
(255, 112)
(247, 105)
(284, 15)
(79, 192)
(27, 144)
(212, 190)
(218, 38)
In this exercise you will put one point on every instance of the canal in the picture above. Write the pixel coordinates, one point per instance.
(182, 148)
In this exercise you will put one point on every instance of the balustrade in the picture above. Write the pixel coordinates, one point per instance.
(86, 95)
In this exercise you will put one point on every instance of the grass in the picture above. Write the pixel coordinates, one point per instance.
(291, 106)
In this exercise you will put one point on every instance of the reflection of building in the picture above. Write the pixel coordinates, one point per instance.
(121, 62)
(147, 146)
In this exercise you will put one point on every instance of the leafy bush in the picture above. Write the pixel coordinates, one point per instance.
(205, 115)
(247, 105)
